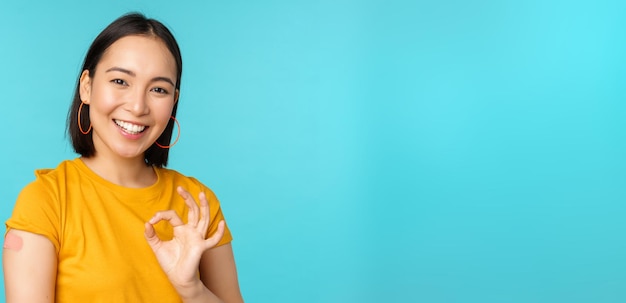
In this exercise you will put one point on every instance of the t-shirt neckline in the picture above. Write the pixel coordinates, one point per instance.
(141, 192)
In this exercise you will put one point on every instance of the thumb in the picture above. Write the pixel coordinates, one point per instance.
(151, 235)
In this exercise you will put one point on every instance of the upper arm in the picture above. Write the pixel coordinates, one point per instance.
(219, 274)
(30, 264)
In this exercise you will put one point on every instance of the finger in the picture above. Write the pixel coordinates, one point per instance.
(151, 236)
(192, 214)
(167, 215)
(205, 213)
(216, 237)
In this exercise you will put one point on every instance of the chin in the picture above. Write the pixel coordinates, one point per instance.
(130, 154)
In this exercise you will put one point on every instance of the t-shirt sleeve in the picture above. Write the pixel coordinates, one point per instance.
(36, 211)
(216, 215)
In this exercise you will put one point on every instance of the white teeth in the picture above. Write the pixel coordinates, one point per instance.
(129, 127)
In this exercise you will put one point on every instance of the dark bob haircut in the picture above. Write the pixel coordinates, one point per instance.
(127, 25)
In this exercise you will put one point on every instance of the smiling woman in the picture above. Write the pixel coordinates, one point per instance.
(131, 99)
(89, 230)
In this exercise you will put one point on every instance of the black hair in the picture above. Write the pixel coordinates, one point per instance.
(126, 25)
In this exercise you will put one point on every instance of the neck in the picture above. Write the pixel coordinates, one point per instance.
(127, 172)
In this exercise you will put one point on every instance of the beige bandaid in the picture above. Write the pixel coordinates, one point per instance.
(13, 242)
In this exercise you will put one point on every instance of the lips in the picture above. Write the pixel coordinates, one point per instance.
(130, 128)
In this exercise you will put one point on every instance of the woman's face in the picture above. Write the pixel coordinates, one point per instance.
(131, 96)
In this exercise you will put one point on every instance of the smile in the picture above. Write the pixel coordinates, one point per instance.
(130, 128)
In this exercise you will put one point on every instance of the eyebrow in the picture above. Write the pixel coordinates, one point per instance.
(131, 73)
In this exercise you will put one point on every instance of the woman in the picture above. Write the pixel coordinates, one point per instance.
(90, 230)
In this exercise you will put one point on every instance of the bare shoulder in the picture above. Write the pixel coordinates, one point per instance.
(219, 273)
(29, 263)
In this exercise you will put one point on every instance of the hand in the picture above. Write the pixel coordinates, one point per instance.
(180, 257)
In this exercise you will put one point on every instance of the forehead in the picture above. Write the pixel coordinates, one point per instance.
(147, 55)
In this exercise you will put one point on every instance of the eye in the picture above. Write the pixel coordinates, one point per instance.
(119, 82)
(160, 90)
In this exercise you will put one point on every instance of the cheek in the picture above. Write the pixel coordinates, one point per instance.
(164, 122)
(105, 99)
(163, 112)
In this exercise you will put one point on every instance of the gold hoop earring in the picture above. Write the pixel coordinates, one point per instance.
(177, 137)
(79, 126)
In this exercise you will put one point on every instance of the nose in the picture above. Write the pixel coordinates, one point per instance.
(137, 103)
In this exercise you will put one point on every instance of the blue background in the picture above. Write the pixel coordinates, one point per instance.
(372, 151)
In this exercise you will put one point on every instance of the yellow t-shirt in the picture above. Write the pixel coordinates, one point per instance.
(97, 228)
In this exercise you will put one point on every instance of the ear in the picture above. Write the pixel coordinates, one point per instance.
(85, 87)
(176, 95)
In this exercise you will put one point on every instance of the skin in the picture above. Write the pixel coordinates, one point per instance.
(134, 82)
